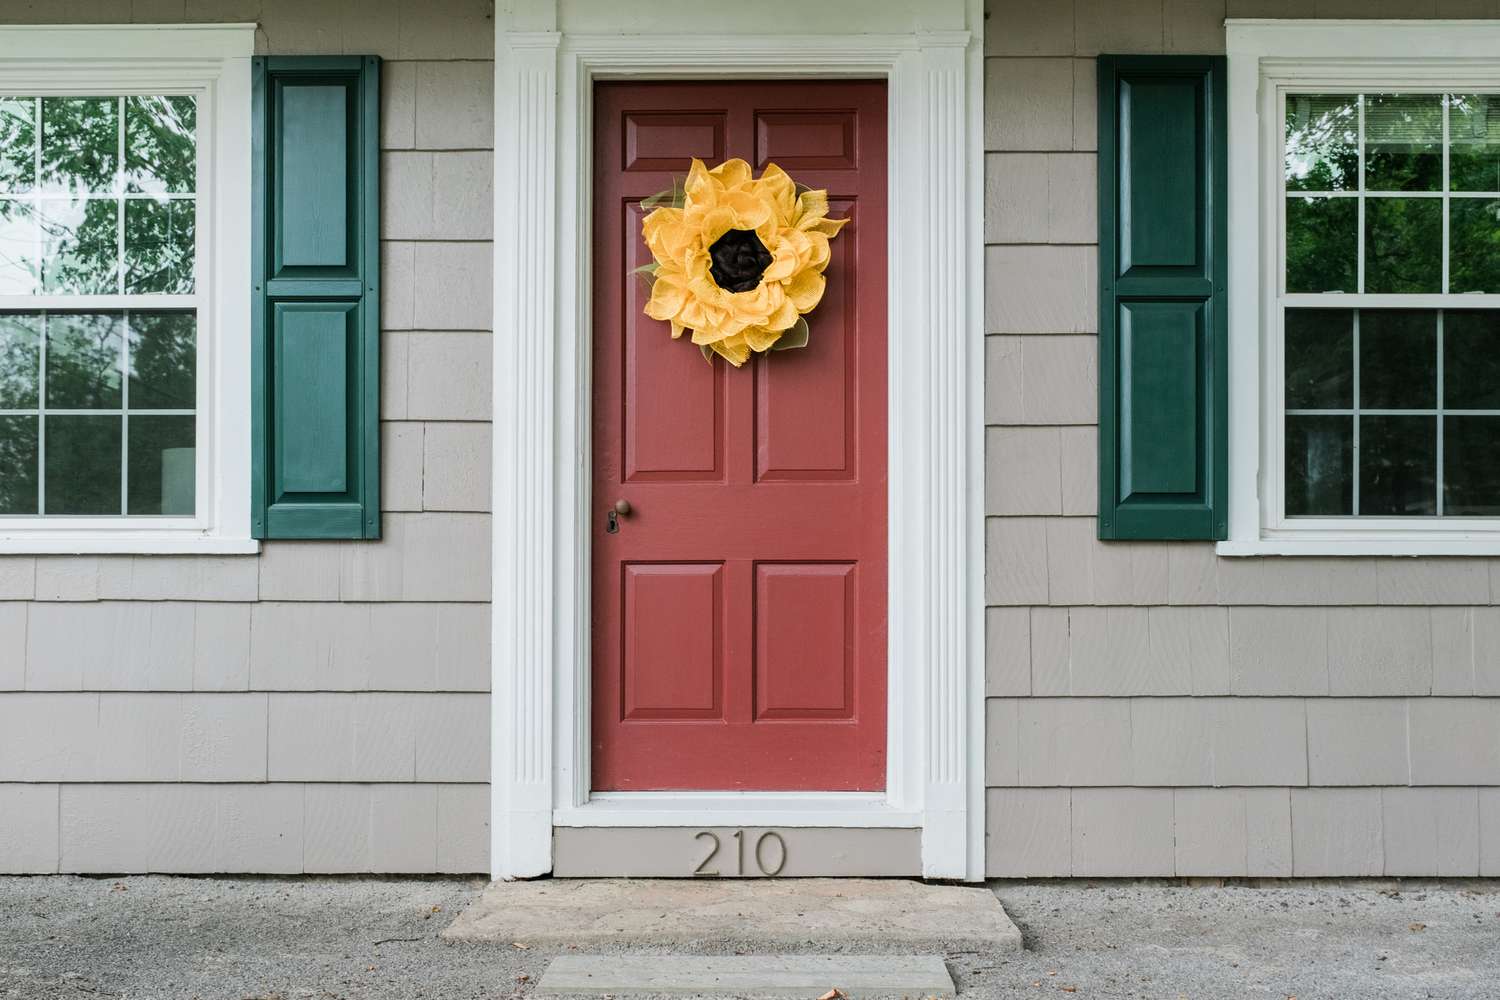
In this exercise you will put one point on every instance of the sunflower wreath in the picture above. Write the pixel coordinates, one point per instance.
(739, 259)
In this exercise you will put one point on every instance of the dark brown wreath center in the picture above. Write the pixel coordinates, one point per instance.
(739, 259)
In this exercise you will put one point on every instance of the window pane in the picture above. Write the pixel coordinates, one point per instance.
(1403, 142)
(1397, 466)
(1322, 142)
(83, 465)
(1474, 142)
(18, 247)
(1322, 241)
(1471, 466)
(17, 144)
(18, 452)
(1319, 359)
(163, 361)
(20, 360)
(162, 465)
(1397, 359)
(1471, 360)
(1474, 245)
(159, 246)
(83, 363)
(80, 246)
(1403, 245)
(160, 137)
(80, 144)
(1319, 465)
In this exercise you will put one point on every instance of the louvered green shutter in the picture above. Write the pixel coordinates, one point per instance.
(1163, 328)
(316, 297)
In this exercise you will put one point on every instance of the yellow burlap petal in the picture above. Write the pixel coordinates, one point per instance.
(667, 299)
(805, 290)
(811, 206)
(734, 350)
(778, 188)
(784, 315)
(784, 263)
(699, 183)
(818, 256)
(828, 227)
(731, 173)
(760, 338)
(653, 226)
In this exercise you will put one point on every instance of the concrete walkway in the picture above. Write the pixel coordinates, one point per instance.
(232, 939)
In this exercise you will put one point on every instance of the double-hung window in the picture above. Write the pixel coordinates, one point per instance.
(124, 273)
(1365, 287)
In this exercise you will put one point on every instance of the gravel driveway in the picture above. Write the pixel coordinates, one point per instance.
(328, 939)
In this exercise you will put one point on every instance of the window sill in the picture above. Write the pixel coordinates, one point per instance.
(1395, 546)
(143, 544)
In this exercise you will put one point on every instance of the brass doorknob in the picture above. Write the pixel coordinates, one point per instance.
(622, 507)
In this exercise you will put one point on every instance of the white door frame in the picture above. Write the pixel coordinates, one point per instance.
(542, 428)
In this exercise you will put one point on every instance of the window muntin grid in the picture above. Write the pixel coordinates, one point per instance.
(1355, 161)
(98, 306)
(1372, 203)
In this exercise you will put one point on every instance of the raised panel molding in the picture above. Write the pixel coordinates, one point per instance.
(542, 441)
(684, 135)
(806, 140)
(673, 670)
(805, 640)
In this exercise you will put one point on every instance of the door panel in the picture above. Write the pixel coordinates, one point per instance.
(803, 418)
(673, 659)
(677, 435)
(804, 642)
(739, 612)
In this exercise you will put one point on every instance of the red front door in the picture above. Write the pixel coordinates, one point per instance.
(739, 612)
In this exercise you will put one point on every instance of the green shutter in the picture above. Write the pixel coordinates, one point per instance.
(1163, 328)
(316, 297)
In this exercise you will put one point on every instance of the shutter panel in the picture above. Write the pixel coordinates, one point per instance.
(1163, 325)
(316, 301)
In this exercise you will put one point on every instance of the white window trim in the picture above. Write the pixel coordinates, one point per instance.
(541, 628)
(213, 63)
(1266, 57)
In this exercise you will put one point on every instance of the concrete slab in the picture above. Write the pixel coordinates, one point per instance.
(761, 915)
(751, 976)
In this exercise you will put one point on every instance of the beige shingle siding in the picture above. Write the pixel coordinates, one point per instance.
(323, 707)
(1154, 709)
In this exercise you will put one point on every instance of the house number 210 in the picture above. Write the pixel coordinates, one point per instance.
(769, 852)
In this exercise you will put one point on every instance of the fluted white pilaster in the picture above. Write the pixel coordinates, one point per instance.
(524, 522)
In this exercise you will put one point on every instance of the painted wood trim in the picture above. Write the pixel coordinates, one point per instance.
(213, 63)
(543, 99)
(1266, 56)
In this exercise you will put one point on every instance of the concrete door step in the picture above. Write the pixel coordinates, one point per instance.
(853, 976)
(885, 915)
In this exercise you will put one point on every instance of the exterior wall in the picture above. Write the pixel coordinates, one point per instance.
(1154, 709)
(322, 707)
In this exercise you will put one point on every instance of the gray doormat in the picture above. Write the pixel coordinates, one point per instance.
(853, 976)
(884, 915)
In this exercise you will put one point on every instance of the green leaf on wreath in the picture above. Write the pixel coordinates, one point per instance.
(795, 336)
(674, 197)
(708, 353)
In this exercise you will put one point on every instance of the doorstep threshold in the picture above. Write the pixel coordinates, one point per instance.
(751, 976)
